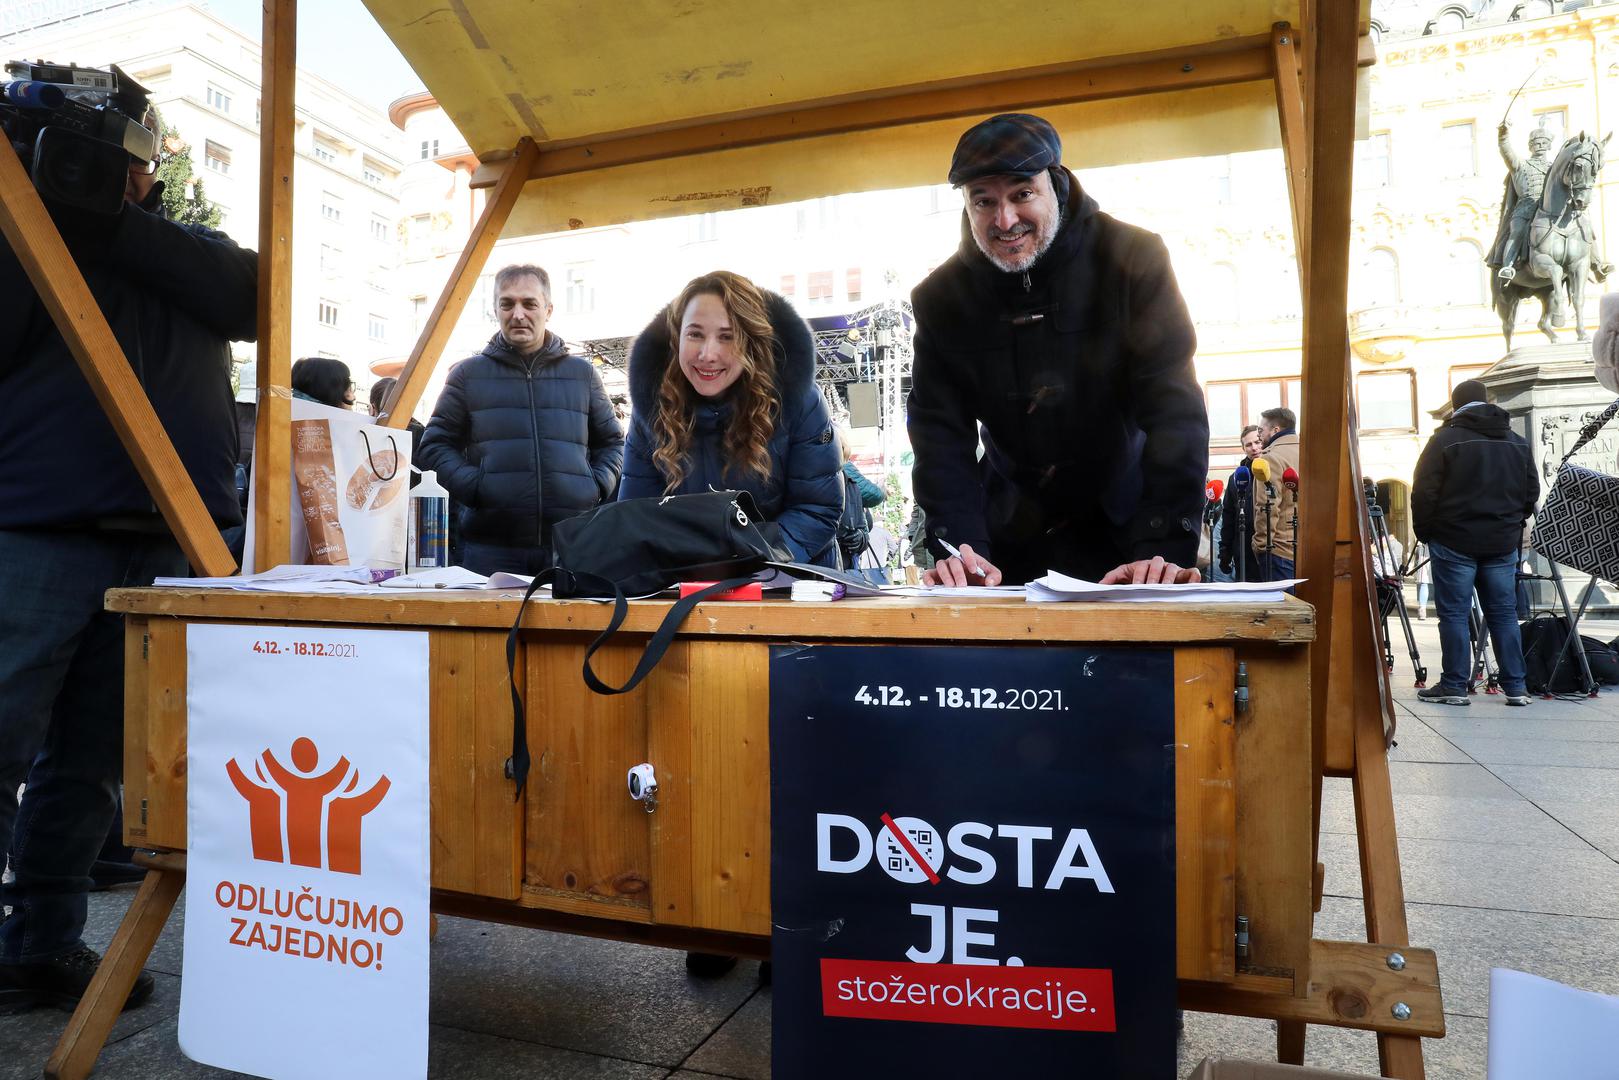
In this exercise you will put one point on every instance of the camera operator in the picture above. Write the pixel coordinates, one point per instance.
(76, 520)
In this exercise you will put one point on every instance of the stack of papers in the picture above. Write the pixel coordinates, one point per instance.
(1062, 588)
(459, 577)
(357, 580)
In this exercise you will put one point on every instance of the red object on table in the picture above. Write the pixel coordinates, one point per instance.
(751, 591)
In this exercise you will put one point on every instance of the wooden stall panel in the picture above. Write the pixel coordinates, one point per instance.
(587, 842)
(477, 825)
(669, 749)
(135, 648)
(163, 808)
(730, 790)
(1205, 815)
(1274, 864)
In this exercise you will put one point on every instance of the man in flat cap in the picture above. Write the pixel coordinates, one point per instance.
(1057, 337)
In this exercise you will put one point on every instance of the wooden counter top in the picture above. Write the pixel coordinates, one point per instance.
(991, 619)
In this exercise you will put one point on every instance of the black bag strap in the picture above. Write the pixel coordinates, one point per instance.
(1589, 431)
(517, 765)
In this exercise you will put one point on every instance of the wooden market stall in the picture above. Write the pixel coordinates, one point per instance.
(587, 115)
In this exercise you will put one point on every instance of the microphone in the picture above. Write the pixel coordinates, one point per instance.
(1213, 490)
(1290, 479)
(1241, 478)
(1261, 470)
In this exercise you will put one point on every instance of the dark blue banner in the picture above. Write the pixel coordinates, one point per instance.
(973, 861)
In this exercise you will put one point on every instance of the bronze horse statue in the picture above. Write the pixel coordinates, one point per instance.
(1561, 243)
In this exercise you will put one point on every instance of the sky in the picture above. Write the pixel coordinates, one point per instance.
(339, 41)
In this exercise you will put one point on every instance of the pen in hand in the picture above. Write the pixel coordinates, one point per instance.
(951, 548)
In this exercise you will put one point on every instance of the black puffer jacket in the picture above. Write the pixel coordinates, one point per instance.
(1475, 484)
(1080, 375)
(175, 297)
(522, 442)
(804, 491)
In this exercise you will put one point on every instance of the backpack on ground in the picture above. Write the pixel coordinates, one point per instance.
(1544, 638)
(1603, 659)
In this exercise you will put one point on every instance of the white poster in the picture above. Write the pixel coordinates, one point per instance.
(306, 932)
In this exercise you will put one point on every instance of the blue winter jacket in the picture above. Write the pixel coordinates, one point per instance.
(175, 297)
(522, 442)
(804, 492)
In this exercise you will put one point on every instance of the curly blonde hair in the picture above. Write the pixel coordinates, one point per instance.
(755, 403)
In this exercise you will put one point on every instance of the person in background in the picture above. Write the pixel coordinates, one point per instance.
(76, 520)
(1474, 487)
(860, 496)
(1276, 507)
(1057, 337)
(323, 380)
(723, 387)
(1234, 531)
(377, 399)
(523, 435)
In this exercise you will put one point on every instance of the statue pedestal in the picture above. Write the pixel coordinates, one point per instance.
(1550, 392)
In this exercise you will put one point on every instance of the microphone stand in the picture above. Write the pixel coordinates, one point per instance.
(1270, 532)
(1242, 533)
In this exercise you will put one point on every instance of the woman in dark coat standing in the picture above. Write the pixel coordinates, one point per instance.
(723, 387)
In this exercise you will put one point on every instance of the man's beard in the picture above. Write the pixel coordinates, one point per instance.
(1018, 266)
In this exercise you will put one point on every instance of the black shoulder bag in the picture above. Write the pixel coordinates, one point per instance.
(635, 548)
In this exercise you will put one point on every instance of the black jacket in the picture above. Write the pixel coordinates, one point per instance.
(1475, 484)
(1078, 378)
(804, 492)
(175, 297)
(522, 442)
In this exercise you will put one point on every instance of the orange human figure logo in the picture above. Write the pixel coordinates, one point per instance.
(343, 816)
(299, 806)
(264, 811)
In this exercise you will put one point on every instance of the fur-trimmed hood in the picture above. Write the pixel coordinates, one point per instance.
(795, 355)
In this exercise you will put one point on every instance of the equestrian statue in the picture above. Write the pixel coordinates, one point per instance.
(1546, 243)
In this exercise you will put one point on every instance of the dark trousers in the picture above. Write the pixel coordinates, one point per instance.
(1455, 577)
(61, 720)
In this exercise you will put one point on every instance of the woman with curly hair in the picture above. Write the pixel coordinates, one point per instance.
(723, 388)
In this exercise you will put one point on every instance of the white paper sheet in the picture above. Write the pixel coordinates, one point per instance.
(1055, 587)
(1543, 1030)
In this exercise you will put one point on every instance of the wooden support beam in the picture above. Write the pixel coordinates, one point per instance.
(1220, 63)
(272, 440)
(1326, 326)
(61, 287)
(1285, 54)
(452, 301)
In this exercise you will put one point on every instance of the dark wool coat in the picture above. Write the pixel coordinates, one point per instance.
(1475, 484)
(522, 442)
(1077, 375)
(804, 491)
(175, 297)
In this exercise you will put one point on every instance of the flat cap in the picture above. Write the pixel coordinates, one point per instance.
(1011, 144)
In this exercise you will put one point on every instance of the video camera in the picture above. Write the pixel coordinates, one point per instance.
(78, 130)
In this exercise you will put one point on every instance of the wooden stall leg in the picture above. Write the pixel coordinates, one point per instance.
(1290, 1042)
(86, 1032)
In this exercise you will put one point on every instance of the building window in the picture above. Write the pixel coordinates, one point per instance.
(418, 313)
(1380, 278)
(376, 328)
(1554, 121)
(325, 153)
(789, 284)
(1387, 400)
(852, 284)
(1465, 279)
(379, 229)
(820, 286)
(1375, 168)
(216, 157)
(1458, 153)
(330, 257)
(331, 207)
(703, 228)
(328, 313)
(429, 149)
(372, 176)
(1233, 406)
(578, 297)
(218, 99)
(417, 229)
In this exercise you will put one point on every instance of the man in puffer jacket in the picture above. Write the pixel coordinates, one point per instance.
(523, 435)
(1475, 484)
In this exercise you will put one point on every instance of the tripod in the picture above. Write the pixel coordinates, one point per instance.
(1390, 590)
(1483, 670)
